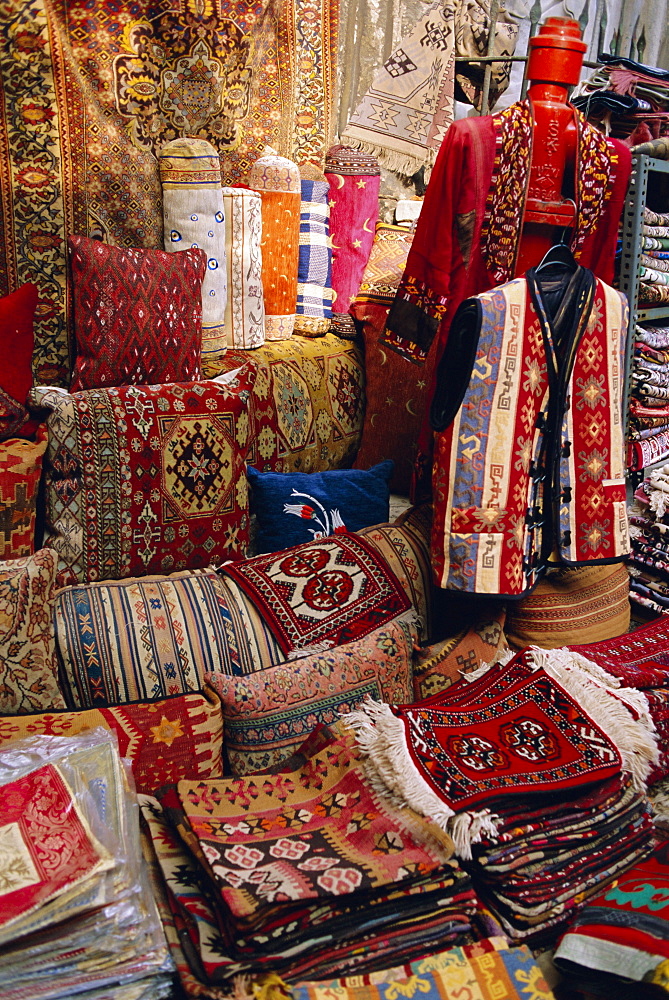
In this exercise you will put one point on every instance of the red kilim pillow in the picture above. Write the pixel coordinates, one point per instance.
(137, 314)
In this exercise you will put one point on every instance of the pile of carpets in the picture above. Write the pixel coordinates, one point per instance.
(648, 438)
(301, 872)
(649, 539)
(630, 99)
(537, 769)
(77, 915)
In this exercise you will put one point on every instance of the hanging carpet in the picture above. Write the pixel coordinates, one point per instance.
(88, 95)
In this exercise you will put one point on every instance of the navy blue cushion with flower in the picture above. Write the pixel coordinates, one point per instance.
(295, 507)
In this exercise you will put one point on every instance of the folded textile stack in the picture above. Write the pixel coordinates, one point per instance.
(488, 968)
(77, 915)
(649, 537)
(654, 273)
(631, 99)
(516, 765)
(303, 871)
(621, 938)
(648, 438)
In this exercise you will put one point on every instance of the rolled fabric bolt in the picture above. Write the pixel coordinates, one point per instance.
(355, 179)
(277, 180)
(314, 270)
(193, 216)
(245, 309)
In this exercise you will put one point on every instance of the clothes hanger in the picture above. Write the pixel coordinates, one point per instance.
(559, 255)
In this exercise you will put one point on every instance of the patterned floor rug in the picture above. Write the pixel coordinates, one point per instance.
(88, 97)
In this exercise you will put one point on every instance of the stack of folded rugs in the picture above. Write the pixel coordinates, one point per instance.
(77, 915)
(649, 384)
(649, 534)
(302, 871)
(537, 769)
(630, 98)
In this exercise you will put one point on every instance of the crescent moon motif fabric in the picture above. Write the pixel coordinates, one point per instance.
(354, 180)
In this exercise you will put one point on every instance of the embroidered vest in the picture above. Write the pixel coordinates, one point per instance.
(529, 454)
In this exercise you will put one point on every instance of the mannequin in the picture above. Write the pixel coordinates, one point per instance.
(556, 57)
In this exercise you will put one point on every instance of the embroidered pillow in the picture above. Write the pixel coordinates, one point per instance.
(28, 667)
(296, 507)
(180, 737)
(137, 314)
(17, 313)
(146, 479)
(269, 714)
(20, 472)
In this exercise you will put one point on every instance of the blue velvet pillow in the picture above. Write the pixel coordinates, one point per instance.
(295, 507)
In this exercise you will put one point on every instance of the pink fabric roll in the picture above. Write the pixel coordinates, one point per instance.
(354, 179)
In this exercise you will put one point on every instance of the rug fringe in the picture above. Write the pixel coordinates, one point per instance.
(380, 735)
(402, 163)
(629, 726)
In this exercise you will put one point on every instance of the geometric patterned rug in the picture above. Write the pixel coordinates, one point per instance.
(89, 94)
(322, 593)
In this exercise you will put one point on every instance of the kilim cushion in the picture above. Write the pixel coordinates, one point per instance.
(17, 312)
(308, 401)
(146, 479)
(137, 314)
(20, 471)
(150, 637)
(142, 639)
(571, 605)
(179, 737)
(297, 507)
(28, 666)
(438, 666)
(322, 593)
(405, 547)
(269, 714)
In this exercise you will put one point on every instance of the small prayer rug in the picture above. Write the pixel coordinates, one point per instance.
(456, 762)
(322, 593)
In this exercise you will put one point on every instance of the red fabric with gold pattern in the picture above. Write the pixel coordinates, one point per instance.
(166, 740)
(20, 472)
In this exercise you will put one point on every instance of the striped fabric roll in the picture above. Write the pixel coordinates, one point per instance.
(314, 268)
(190, 173)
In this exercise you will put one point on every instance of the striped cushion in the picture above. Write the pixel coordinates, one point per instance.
(149, 637)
